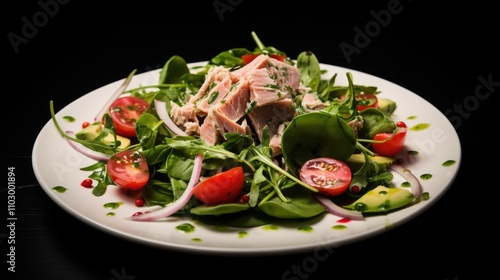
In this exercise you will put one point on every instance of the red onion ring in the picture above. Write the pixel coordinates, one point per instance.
(416, 187)
(115, 95)
(86, 151)
(180, 202)
(161, 109)
(337, 210)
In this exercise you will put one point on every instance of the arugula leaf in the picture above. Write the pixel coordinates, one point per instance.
(100, 175)
(95, 144)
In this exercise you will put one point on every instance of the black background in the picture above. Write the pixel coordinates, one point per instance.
(435, 51)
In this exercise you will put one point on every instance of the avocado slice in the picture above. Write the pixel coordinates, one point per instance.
(355, 161)
(381, 199)
(92, 131)
(386, 105)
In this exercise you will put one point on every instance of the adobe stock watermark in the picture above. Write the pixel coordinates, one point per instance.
(362, 37)
(426, 146)
(67, 163)
(471, 103)
(456, 114)
(309, 264)
(153, 72)
(222, 7)
(31, 26)
(122, 275)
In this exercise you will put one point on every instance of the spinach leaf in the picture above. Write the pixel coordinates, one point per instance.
(173, 70)
(375, 121)
(157, 154)
(221, 209)
(179, 166)
(146, 128)
(157, 192)
(316, 134)
(230, 58)
(300, 205)
(310, 71)
(242, 219)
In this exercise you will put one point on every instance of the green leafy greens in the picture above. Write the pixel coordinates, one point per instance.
(274, 190)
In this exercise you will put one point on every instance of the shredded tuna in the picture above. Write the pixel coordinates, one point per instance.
(225, 125)
(236, 101)
(260, 61)
(215, 94)
(311, 102)
(245, 101)
(182, 115)
(275, 142)
(214, 75)
(192, 128)
(271, 115)
(208, 132)
(356, 124)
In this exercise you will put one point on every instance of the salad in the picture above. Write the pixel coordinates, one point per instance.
(250, 137)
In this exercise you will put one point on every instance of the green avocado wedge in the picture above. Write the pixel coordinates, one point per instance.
(94, 130)
(356, 161)
(314, 135)
(381, 199)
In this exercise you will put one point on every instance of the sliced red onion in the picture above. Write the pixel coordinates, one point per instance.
(337, 210)
(86, 151)
(161, 109)
(115, 96)
(180, 202)
(416, 187)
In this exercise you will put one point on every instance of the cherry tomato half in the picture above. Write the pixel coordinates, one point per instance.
(124, 112)
(329, 176)
(247, 58)
(366, 100)
(128, 169)
(221, 188)
(392, 146)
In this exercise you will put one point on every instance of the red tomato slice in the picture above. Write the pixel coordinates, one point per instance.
(392, 146)
(366, 100)
(329, 176)
(128, 169)
(221, 188)
(247, 58)
(124, 112)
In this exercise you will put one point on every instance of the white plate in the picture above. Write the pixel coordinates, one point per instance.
(55, 163)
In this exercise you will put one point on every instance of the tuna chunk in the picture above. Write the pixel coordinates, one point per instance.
(214, 76)
(217, 92)
(270, 80)
(263, 89)
(275, 142)
(310, 102)
(261, 93)
(236, 101)
(225, 114)
(182, 115)
(208, 132)
(272, 115)
(192, 128)
(260, 61)
(286, 76)
(225, 125)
